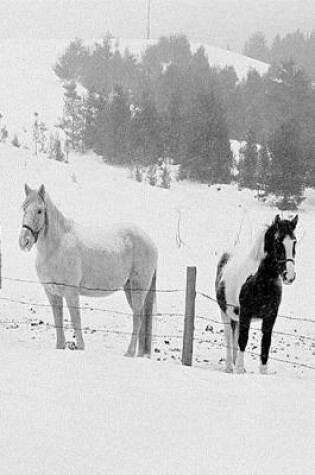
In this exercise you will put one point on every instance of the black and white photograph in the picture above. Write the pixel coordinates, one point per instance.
(157, 237)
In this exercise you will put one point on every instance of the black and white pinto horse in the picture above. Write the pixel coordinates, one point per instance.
(249, 285)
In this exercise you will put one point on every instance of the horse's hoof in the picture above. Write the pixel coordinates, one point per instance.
(263, 368)
(229, 368)
(239, 370)
(128, 354)
(144, 355)
(79, 347)
(61, 346)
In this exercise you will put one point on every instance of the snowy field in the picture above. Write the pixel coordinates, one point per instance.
(102, 413)
(97, 412)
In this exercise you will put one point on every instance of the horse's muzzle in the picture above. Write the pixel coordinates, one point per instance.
(289, 274)
(288, 277)
(26, 239)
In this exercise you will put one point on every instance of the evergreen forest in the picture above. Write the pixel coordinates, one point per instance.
(172, 105)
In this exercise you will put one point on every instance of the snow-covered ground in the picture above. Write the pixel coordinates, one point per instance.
(96, 412)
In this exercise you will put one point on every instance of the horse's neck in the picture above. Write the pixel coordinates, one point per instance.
(268, 268)
(56, 226)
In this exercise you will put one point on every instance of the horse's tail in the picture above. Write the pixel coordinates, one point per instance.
(219, 283)
(149, 311)
(221, 264)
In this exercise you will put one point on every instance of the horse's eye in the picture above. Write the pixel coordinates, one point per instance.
(39, 211)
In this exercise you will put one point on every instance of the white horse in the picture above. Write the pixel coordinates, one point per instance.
(74, 260)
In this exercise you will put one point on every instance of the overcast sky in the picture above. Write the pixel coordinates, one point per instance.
(217, 22)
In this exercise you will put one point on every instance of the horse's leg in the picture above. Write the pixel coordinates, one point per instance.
(57, 308)
(244, 326)
(73, 302)
(267, 326)
(138, 298)
(236, 332)
(142, 336)
(128, 294)
(149, 309)
(145, 301)
(228, 342)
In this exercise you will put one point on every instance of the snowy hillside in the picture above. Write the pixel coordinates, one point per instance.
(217, 57)
(28, 83)
(106, 414)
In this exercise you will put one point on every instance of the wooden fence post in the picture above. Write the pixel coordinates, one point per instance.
(189, 322)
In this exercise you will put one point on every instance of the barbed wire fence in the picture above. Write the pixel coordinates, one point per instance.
(194, 338)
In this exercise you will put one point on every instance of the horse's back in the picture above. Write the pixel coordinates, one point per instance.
(233, 269)
(110, 256)
(117, 239)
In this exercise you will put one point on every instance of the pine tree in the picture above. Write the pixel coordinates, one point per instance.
(73, 120)
(152, 174)
(173, 128)
(138, 173)
(98, 74)
(146, 135)
(208, 153)
(287, 165)
(36, 132)
(113, 128)
(59, 155)
(264, 164)
(42, 137)
(256, 47)
(166, 177)
(55, 148)
(173, 50)
(249, 162)
(71, 64)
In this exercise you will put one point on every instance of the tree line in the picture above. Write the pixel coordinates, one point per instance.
(172, 104)
(296, 46)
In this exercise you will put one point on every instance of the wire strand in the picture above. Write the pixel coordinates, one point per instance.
(309, 319)
(118, 312)
(92, 289)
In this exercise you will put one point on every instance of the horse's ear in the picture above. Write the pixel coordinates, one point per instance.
(277, 220)
(41, 192)
(28, 189)
(294, 222)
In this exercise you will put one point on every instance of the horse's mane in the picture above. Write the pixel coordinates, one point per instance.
(257, 252)
(55, 212)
